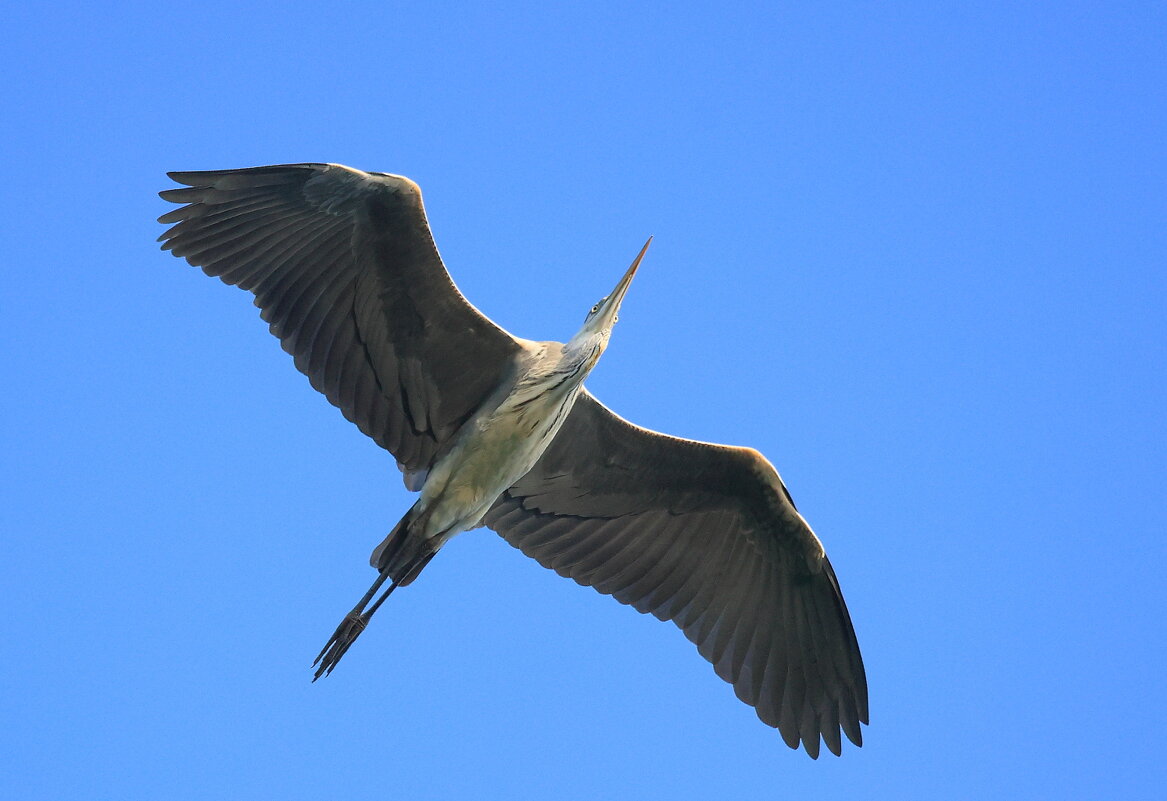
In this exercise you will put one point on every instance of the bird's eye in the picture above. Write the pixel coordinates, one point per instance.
(595, 308)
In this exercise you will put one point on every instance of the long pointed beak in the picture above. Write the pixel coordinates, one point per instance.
(611, 305)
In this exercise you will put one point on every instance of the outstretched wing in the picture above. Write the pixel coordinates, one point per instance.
(705, 536)
(345, 271)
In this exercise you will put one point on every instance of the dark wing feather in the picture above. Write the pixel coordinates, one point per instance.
(345, 271)
(706, 536)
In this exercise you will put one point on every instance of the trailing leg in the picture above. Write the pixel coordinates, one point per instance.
(398, 560)
(350, 628)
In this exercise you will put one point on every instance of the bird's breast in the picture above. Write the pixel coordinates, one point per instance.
(495, 450)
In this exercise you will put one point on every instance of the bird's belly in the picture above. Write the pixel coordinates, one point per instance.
(492, 455)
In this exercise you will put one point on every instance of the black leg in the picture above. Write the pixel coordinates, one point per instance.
(350, 628)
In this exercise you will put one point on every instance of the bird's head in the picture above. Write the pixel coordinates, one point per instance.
(597, 327)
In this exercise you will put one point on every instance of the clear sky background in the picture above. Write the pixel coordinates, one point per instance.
(913, 252)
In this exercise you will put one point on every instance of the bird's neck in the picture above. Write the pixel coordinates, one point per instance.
(555, 376)
(582, 352)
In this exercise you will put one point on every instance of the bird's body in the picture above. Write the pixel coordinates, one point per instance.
(499, 431)
(502, 441)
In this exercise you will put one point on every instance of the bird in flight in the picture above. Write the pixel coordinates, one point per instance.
(498, 431)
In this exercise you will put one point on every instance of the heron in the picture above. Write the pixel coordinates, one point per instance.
(498, 431)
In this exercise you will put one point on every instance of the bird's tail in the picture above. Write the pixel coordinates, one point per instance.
(406, 550)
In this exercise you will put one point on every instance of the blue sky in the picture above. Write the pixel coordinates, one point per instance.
(913, 252)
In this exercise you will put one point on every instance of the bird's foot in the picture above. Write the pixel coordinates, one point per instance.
(345, 635)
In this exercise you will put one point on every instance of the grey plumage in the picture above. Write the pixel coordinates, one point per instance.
(345, 272)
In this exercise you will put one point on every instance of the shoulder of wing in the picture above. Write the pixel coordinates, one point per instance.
(335, 188)
(733, 471)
